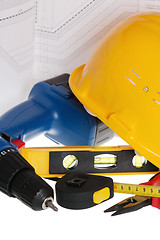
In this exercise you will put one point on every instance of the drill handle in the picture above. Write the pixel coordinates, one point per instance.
(24, 120)
(53, 110)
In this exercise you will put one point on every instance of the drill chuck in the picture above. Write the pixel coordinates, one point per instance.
(18, 179)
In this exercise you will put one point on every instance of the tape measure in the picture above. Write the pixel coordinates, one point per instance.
(80, 191)
(141, 190)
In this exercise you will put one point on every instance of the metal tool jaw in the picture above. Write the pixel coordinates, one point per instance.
(129, 205)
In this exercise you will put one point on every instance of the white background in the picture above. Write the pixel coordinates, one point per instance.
(20, 222)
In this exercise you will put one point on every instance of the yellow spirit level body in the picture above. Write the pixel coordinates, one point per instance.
(58, 161)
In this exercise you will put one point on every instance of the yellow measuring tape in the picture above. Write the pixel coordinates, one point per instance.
(141, 190)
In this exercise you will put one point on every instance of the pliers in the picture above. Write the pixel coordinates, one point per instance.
(136, 202)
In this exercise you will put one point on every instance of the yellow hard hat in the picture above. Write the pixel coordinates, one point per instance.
(120, 84)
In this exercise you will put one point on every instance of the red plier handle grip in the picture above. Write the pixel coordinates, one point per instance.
(154, 181)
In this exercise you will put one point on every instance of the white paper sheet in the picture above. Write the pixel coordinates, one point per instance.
(17, 21)
(43, 38)
(68, 31)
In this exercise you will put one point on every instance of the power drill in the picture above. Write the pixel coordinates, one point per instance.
(51, 109)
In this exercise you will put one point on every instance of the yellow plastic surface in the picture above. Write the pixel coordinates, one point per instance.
(140, 190)
(120, 84)
(39, 158)
(101, 195)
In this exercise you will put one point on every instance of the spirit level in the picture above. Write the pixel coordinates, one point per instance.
(58, 161)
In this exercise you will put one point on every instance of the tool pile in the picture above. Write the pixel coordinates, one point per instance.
(117, 90)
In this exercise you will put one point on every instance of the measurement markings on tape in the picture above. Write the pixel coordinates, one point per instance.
(142, 190)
